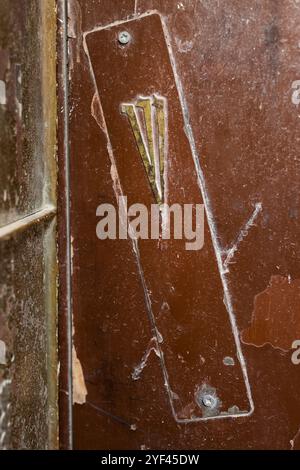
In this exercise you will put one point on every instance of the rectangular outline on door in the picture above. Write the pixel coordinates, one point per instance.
(209, 214)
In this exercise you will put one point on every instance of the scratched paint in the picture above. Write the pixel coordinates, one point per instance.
(230, 252)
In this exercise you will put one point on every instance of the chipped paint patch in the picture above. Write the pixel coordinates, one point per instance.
(275, 318)
(97, 112)
(79, 387)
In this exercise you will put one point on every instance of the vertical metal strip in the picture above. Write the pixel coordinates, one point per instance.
(64, 234)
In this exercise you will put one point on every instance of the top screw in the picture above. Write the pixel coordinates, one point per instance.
(124, 37)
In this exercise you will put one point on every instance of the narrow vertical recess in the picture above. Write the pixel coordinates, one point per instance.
(64, 239)
(48, 211)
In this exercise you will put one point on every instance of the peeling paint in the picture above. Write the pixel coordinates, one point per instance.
(79, 387)
(97, 112)
(275, 318)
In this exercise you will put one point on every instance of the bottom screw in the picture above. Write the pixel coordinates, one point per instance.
(209, 401)
(124, 37)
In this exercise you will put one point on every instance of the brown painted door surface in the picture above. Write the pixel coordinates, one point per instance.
(185, 102)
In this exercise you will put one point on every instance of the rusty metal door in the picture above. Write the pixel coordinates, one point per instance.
(181, 102)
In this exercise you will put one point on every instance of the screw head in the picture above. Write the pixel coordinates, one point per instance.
(124, 37)
(209, 401)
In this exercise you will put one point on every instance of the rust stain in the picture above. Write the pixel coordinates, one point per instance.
(276, 315)
(79, 387)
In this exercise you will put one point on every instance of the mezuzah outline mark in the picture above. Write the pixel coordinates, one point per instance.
(148, 119)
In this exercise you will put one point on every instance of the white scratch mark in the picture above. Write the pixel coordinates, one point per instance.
(152, 346)
(241, 236)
